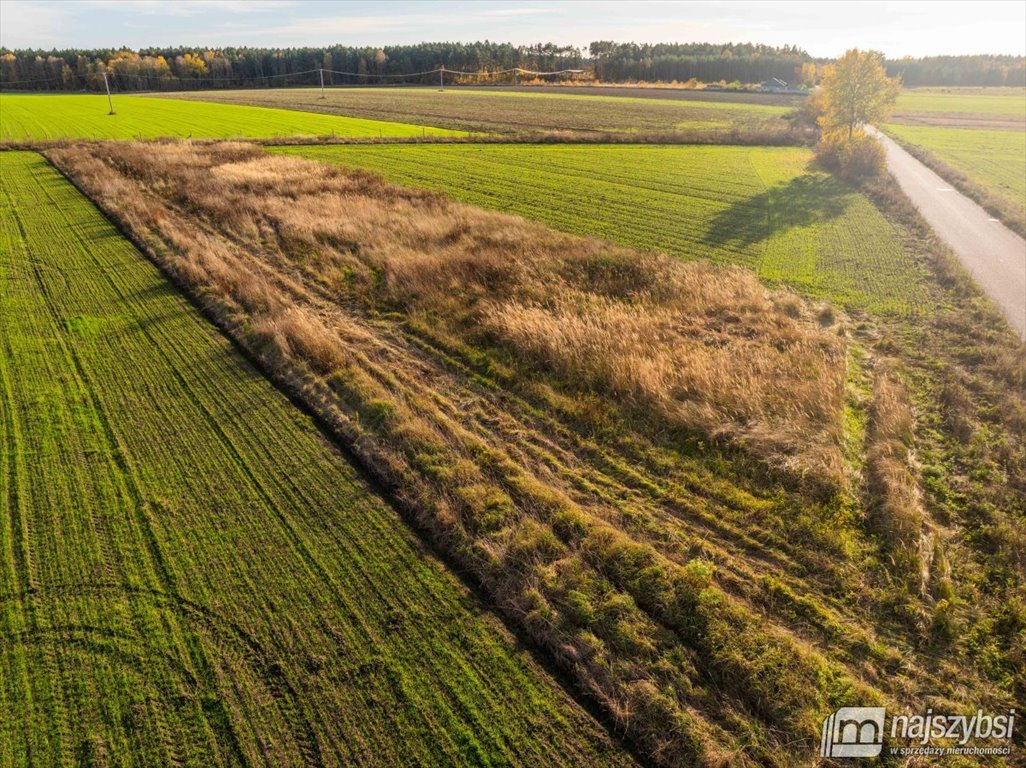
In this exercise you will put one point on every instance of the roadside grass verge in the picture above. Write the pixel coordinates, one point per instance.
(27, 117)
(986, 166)
(191, 574)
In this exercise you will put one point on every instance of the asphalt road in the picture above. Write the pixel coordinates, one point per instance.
(992, 253)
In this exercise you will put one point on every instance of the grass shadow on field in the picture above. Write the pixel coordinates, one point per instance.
(803, 201)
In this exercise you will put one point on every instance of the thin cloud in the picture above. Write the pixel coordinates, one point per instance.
(184, 8)
(506, 12)
(341, 26)
(32, 24)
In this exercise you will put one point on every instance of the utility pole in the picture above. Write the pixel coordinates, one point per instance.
(441, 78)
(110, 103)
(516, 78)
(321, 71)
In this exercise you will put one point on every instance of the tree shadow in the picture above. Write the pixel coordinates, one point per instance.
(805, 200)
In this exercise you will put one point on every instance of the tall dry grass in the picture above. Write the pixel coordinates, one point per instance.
(695, 347)
(302, 263)
(897, 512)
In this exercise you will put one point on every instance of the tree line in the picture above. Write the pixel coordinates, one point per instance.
(703, 62)
(960, 70)
(171, 68)
(607, 61)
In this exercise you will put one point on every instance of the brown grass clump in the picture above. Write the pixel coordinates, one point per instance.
(322, 273)
(699, 372)
(696, 347)
(897, 513)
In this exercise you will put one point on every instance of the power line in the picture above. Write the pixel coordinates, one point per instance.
(479, 73)
(42, 80)
(230, 79)
(241, 79)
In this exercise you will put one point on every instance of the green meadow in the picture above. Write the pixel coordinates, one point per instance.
(1006, 102)
(79, 116)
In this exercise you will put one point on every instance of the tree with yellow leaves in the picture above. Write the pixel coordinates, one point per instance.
(854, 91)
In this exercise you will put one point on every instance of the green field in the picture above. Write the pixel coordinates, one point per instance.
(762, 207)
(482, 110)
(1007, 102)
(576, 498)
(190, 574)
(48, 116)
(996, 160)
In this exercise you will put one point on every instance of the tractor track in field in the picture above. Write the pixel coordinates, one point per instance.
(276, 674)
(19, 550)
(270, 672)
(226, 632)
(164, 574)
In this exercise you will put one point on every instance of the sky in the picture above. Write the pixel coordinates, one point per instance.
(823, 29)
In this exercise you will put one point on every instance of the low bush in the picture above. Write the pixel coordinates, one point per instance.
(855, 158)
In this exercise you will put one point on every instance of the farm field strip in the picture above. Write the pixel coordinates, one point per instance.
(607, 196)
(190, 573)
(747, 106)
(1004, 102)
(758, 206)
(78, 116)
(468, 109)
(490, 444)
(659, 93)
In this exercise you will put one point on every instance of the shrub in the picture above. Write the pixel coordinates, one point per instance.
(854, 158)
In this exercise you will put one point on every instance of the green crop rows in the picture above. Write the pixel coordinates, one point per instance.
(1007, 102)
(994, 159)
(50, 116)
(763, 207)
(189, 573)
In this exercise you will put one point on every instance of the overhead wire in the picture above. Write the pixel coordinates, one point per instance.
(178, 79)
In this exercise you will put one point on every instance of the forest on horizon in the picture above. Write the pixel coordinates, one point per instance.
(606, 61)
